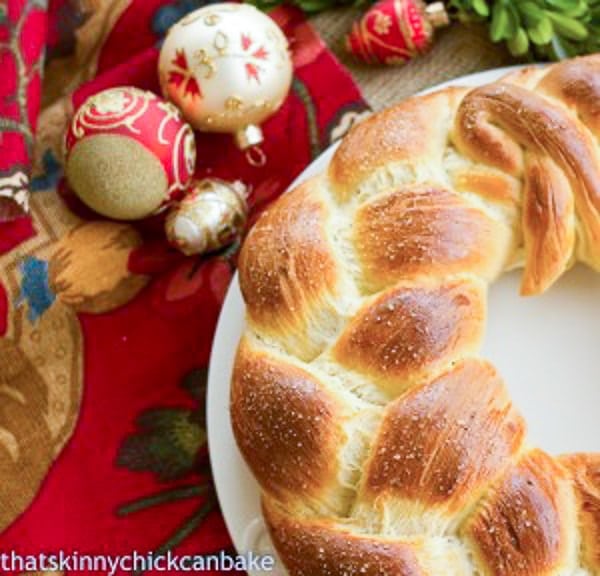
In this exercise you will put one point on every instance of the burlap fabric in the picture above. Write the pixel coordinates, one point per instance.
(456, 51)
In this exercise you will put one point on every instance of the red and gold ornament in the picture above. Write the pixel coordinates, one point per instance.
(128, 153)
(394, 31)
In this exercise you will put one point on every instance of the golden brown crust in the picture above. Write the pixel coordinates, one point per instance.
(585, 472)
(427, 230)
(406, 133)
(491, 186)
(411, 459)
(312, 548)
(287, 269)
(522, 528)
(483, 140)
(442, 443)
(412, 330)
(577, 83)
(495, 121)
(548, 230)
(286, 425)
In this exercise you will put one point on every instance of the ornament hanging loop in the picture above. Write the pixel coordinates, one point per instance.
(249, 139)
(255, 156)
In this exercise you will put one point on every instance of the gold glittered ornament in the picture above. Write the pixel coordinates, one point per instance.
(227, 68)
(128, 153)
(211, 216)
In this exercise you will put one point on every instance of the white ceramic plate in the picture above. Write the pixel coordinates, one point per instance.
(545, 347)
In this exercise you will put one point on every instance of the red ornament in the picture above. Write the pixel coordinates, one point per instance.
(393, 31)
(128, 153)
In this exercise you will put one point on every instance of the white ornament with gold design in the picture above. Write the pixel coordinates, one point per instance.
(227, 67)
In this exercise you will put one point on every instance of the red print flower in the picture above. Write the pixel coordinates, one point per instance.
(182, 75)
(252, 71)
(255, 56)
(246, 42)
(261, 53)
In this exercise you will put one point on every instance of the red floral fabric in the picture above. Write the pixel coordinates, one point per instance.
(22, 41)
(135, 474)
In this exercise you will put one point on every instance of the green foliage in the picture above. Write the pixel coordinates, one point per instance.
(548, 29)
(309, 6)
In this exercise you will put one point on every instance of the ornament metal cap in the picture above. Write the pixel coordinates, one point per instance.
(437, 15)
(248, 136)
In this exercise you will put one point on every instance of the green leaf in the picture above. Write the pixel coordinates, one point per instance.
(568, 27)
(531, 12)
(563, 5)
(309, 6)
(542, 33)
(514, 21)
(518, 44)
(580, 11)
(572, 8)
(481, 8)
(499, 24)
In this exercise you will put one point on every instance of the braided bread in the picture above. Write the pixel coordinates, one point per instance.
(383, 444)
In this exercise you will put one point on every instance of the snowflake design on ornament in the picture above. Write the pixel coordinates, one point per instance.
(110, 101)
(256, 55)
(383, 23)
(182, 76)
